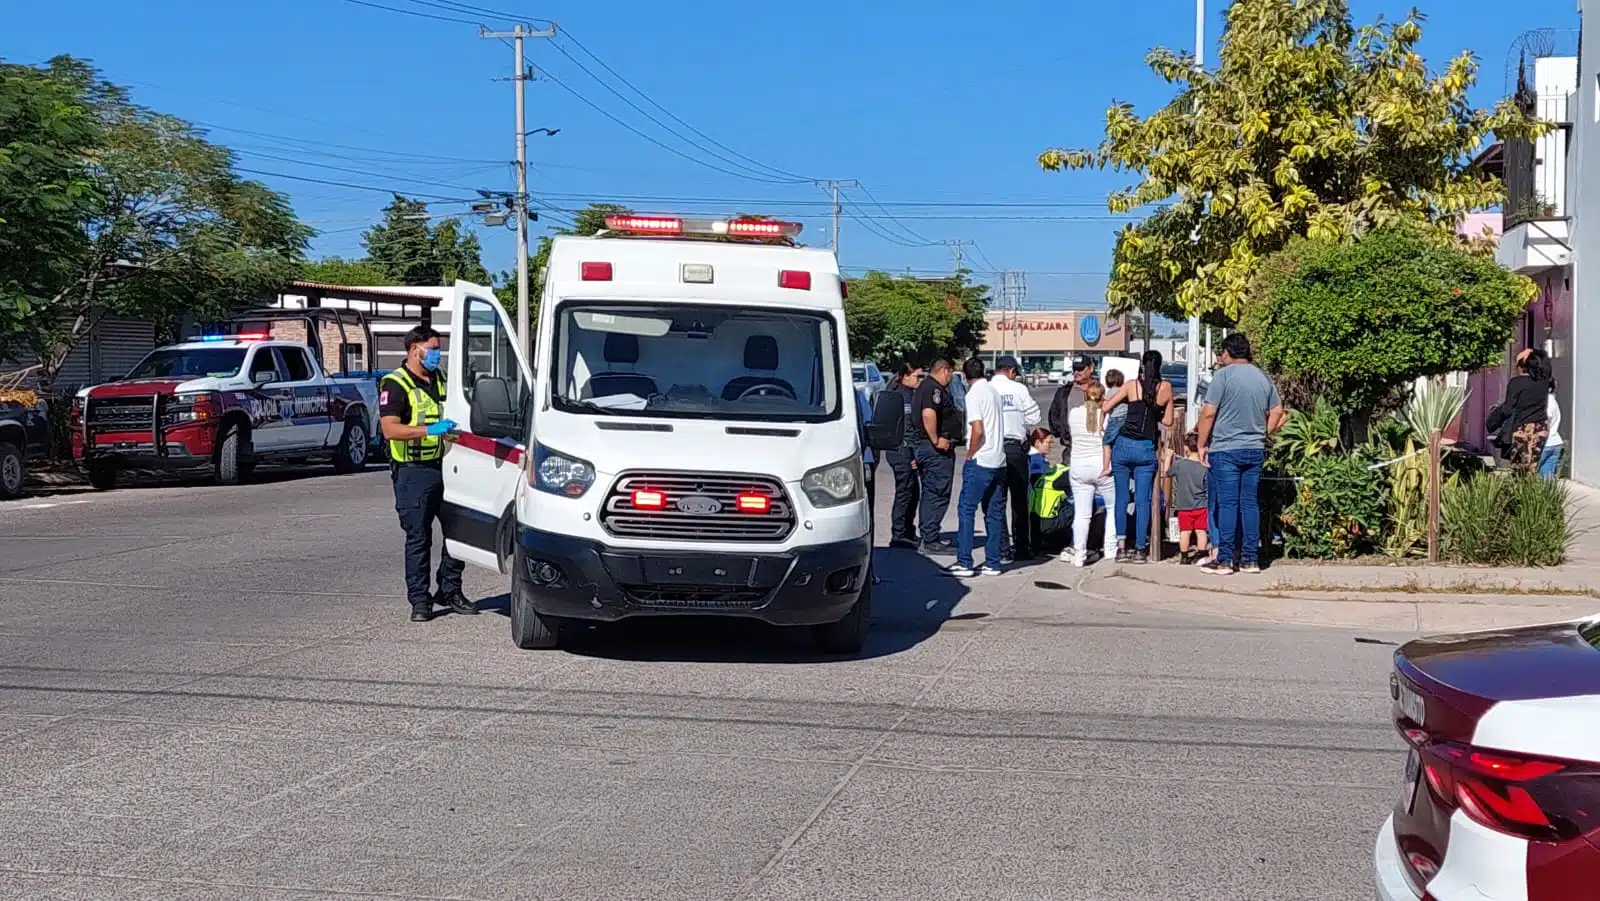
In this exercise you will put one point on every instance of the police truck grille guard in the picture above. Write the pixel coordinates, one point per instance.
(129, 413)
(697, 507)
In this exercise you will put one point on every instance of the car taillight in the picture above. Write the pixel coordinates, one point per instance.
(1532, 797)
(795, 278)
(77, 412)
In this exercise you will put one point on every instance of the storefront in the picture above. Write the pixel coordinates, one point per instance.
(1048, 341)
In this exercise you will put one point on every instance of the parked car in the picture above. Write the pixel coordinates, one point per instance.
(236, 398)
(24, 437)
(868, 377)
(1501, 793)
(1056, 376)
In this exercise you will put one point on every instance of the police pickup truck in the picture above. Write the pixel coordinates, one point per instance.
(233, 399)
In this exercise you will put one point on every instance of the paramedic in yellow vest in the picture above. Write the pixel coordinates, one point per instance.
(411, 411)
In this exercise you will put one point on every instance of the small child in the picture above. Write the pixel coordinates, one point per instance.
(1049, 513)
(1189, 497)
(1115, 419)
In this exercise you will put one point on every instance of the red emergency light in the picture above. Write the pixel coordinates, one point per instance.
(754, 503)
(649, 500)
(795, 278)
(597, 272)
(648, 225)
(252, 336)
(760, 229)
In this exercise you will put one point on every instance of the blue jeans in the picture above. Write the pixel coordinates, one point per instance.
(981, 487)
(1133, 466)
(1236, 475)
(1550, 461)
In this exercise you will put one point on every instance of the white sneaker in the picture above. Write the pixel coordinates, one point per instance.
(959, 571)
(987, 570)
(1080, 560)
(1069, 556)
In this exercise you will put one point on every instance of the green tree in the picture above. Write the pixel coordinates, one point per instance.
(1309, 127)
(340, 271)
(1353, 321)
(893, 320)
(168, 226)
(459, 254)
(403, 245)
(48, 132)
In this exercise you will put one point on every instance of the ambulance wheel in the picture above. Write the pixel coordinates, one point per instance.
(233, 464)
(102, 477)
(351, 454)
(849, 635)
(529, 630)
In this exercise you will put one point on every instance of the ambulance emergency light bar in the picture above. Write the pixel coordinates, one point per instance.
(678, 226)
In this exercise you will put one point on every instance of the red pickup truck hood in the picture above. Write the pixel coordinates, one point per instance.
(136, 386)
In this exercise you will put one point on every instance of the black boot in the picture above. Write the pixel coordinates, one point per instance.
(457, 603)
(421, 613)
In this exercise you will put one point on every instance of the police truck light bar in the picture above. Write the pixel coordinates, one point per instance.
(768, 229)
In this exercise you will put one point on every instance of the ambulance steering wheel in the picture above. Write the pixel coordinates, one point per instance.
(766, 389)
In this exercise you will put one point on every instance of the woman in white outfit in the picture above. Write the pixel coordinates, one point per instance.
(1089, 473)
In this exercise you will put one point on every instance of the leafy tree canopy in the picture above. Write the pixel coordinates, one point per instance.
(1309, 127)
(136, 213)
(411, 251)
(899, 319)
(350, 273)
(1354, 321)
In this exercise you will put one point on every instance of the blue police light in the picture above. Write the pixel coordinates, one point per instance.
(215, 337)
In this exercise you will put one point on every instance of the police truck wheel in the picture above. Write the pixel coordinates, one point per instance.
(233, 465)
(848, 635)
(13, 471)
(529, 630)
(351, 454)
(102, 477)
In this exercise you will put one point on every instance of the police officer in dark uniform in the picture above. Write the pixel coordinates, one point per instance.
(903, 461)
(411, 408)
(935, 431)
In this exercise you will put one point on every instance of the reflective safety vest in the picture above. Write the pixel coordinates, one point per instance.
(1046, 500)
(424, 412)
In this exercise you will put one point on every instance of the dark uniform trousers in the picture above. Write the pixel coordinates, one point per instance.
(907, 491)
(1024, 541)
(418, 492)
(936, 470)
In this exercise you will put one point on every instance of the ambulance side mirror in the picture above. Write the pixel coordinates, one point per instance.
(887, 430)
(493, 415)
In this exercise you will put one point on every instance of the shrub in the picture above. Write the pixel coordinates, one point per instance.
(1338, 509)
(1304, 436)
(1515, 520)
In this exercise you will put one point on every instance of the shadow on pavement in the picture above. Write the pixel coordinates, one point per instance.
(911, 602)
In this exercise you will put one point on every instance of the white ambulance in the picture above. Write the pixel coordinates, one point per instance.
(685, 440)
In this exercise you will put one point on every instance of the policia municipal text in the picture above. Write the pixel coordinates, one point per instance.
(410, 407)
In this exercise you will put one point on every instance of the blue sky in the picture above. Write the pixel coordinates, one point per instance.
(928, 103)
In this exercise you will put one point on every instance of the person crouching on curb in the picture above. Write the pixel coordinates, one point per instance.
(1189, 496)
(1047, 496)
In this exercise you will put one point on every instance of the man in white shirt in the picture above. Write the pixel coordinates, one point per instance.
(983, 478)
(1020, 415)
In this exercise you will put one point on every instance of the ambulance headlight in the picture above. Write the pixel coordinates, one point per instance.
(557, 473)
(835, 484)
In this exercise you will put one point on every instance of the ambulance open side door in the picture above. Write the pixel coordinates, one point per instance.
(489, 395)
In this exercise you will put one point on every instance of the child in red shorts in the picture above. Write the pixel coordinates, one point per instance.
(1189, 497)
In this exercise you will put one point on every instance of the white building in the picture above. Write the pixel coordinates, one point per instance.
(1581, 332)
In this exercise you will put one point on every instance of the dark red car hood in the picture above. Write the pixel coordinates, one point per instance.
(1544, 661)
(136, 386)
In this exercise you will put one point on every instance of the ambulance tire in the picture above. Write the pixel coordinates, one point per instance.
(849, 635)
(233, 464)
(351, 454)
(529, 630)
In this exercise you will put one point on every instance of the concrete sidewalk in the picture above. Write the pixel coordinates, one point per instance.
(1413, 598)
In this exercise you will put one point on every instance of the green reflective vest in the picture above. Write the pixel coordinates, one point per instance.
(1046, 499)
(424, 412)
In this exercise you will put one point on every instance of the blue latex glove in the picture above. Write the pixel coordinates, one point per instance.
(442, 427)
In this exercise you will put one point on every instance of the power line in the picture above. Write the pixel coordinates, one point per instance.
(873, 227)
(344, 184)
(412, 12)
(914, 235)
(392, 177)
(756, 173)
(746, 201)
(401, 156)
(978, 251)
(667, 147)
(790, 176)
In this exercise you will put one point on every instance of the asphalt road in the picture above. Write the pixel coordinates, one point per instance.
(212, 693)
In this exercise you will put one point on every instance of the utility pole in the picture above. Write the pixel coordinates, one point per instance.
(1192, 389)
(955, 247)
(834, 184)
(521, 76)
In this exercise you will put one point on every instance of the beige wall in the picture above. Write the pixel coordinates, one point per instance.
(1038, 333)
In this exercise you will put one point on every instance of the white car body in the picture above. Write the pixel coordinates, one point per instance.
(640, 327)
(869, 378)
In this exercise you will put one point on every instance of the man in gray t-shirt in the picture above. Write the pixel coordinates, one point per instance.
(1242, 408)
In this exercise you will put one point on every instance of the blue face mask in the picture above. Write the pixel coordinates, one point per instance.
(430, 360)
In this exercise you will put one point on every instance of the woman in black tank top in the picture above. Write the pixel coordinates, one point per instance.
(1133, 454)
